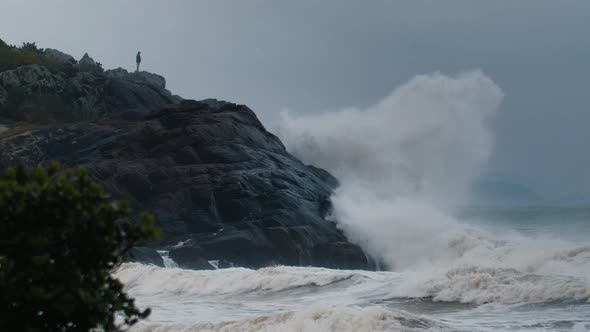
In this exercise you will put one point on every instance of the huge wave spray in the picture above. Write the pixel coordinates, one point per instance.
(403, 163)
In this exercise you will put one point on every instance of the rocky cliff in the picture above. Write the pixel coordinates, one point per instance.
(221, 186)
(77, 91)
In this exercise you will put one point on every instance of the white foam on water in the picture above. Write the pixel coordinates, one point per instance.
(337, 319)
(147, 279)
(479, 285)
(278, 298)
(468, 285)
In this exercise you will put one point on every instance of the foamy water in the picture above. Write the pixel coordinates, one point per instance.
(316, 299)
(538, 295)
(405, 164)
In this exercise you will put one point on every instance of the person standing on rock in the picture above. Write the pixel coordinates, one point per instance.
(138, 60)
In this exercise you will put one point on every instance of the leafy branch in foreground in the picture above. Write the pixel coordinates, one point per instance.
(60, 239)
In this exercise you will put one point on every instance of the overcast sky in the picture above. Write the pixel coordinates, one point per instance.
(318, 56)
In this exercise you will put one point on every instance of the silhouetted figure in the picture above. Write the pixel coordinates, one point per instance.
(138, 60)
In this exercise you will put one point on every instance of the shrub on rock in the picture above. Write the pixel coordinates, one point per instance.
(13, 57)
(31, 47)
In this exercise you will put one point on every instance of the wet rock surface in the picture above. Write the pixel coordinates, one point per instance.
(190, 257)
(145, 256)
(211, 174)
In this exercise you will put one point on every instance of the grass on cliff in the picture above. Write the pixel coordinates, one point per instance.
(12, 57)
(40, 108)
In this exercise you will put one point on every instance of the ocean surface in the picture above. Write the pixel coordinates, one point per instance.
(501, 269)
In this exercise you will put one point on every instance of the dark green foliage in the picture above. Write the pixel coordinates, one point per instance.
(60, 239)
(11, 58)
(28, 54)
(32, 47)
(37, 107)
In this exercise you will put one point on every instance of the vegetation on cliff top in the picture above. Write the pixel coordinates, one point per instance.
(39, 107)
(46, 86)
(12, 57)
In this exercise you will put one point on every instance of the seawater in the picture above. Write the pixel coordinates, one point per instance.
(404, 165)
(549, 291)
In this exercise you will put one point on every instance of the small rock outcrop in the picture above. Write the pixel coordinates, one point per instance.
(190, 257)
(59, 56)
(211, 174)
(145, 256)
(137, 91)
(87, 64)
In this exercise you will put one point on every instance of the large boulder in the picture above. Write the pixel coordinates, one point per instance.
(59, 56)
(137, 92)
(212, 174)
(32, 78)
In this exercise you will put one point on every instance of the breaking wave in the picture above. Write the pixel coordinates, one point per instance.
(480, 285)
(469, 284)
(145, 279)
(337, 319)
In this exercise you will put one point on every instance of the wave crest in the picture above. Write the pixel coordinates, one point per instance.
(337, 319)
(145, 279)
(508, 286)
(465, 284)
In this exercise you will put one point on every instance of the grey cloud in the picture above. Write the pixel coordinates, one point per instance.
(316, 56)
